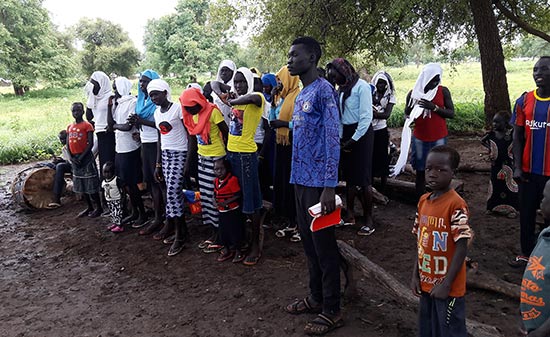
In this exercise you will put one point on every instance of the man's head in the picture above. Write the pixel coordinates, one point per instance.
(441, 164)
(304, 54)
(541, 72)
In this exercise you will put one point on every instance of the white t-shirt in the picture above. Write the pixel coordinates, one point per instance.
(125, 142)
(149, 134)
(111, 190)
(100, 114)
(379, 124)
(173, 135)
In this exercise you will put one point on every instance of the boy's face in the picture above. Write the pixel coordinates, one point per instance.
(62, 138)
(77, 111)
(241, 86)
(438, 171)
(108, 171)
(299, 60)
(499, 123)
(545, 204)
(219, 169)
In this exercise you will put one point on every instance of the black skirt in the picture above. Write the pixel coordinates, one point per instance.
(380, 155)
(357, 163)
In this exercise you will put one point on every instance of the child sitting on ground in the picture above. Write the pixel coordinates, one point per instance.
(112, 189)
(442, 229)
(80, 136)
(503, 190)
(227, 194)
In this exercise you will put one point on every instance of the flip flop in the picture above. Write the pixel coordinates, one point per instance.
(205, 244)
(54, 205)
(212, 248)
(322, 324)
(252, 260)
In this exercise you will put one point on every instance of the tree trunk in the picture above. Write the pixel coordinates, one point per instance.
(18, 90)
(493, 70)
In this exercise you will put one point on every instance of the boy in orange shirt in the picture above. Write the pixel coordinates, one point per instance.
(441, 225)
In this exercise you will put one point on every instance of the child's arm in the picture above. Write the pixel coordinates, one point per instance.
(415, 280)
(442, 289)
(485, 141)
(246, 99)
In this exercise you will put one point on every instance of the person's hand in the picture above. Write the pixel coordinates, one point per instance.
(425, 104)
(519, 176)
(132, 119)
(158, 174)
(441, 290)
(277, 123)
(347, 146)
(415, 285)
(136, 137)
(327, 200)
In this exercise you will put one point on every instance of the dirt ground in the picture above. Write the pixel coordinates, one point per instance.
(62, 276)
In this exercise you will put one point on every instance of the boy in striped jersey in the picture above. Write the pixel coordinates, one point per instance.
(442, 229)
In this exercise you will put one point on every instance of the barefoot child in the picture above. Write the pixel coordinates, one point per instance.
(503, 190)
(112, 189)
(441, 225)
(227, 193)
(85, 177)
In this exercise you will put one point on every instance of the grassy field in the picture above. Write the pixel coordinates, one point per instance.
(29, 125)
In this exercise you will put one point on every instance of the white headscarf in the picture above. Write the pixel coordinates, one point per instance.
(160, 85)
(123, 86)
(382, 75)
(194, 85)
(249, 76)
(428, 73)
(104, 89)
(229, 64)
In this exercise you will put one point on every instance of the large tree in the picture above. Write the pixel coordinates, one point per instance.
(106, 47)
(30, 47)
(348, 28)
(192, 40)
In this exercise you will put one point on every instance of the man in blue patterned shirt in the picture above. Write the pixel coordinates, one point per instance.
(315, 156)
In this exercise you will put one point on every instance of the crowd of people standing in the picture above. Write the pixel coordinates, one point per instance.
(289, 138)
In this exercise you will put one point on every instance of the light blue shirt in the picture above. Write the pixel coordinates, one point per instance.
(358, 109)
(275, 111)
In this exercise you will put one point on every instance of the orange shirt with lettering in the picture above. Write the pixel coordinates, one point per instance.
(439, 224)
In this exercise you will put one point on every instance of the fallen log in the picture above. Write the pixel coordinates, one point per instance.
(480, 279)
(409, 186)
(401, 293)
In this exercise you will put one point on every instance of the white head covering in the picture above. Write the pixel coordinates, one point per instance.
(229, 64)
(428, 73)
(104, 89)
(382, 75)
(249, 76)
(123, 86)
(160, 85)
(194, 85)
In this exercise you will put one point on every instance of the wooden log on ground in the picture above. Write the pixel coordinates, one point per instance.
(480, 279)
(401, 293)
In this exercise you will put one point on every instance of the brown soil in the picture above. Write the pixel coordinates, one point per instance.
(63, 276)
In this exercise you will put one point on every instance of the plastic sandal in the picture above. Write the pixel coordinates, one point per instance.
(281, 233)
(295, 237)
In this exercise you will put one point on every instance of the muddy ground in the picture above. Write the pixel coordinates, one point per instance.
(62, 276)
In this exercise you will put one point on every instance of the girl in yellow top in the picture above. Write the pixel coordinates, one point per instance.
(204, 120)
(248, 107)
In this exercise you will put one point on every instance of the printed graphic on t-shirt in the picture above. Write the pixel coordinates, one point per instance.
(75, 135)
(165, 127)
(236, 124)
(201, 141)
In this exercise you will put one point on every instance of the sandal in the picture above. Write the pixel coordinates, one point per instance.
(176, 250)
(322, 324)
(53, 205)
(305, 305)
(281, 233)
(152, 226)
(365, 231)
(518, 261)
(212, 248)
(205, 244)
(296, 237)
(225, 255)
(161, 235)
(252, 260)
(169, 239)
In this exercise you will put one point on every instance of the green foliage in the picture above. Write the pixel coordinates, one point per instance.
(191, 41)
(31, 49)
(106, 47)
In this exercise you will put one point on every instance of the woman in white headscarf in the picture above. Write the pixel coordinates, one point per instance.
(226, 71)
(100, 95)
(428, 105)
(383, 100)
(128, 150)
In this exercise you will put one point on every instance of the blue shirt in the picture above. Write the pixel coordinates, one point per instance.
(276, 111)
(358, 108)
(316, 143)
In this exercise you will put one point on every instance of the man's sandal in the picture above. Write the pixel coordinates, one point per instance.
(322, 324)
(303, 306)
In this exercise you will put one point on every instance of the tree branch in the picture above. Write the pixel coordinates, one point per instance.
(521, 23)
